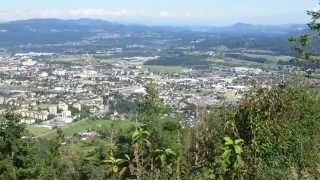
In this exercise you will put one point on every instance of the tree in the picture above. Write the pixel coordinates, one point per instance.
(152, 104)
(279, 128)
(314, 25)
(11, 145)
(162, 125)
(303, 44)
(7, 170)
(11, 133)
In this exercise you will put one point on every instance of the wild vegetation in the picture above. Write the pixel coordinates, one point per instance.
(271, 134)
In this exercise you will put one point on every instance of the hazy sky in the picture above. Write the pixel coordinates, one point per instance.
(211, 12)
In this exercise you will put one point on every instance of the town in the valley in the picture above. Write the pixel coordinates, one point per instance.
(56, 94)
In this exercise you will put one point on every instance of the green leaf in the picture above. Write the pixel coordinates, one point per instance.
(115, 169)
(163, 159)
(238, 149)
(135, 135)
(228, 140)
(238, 141)
(170, 152)
(108, 161)
(226, 154)
(127, 157)
(121, 161)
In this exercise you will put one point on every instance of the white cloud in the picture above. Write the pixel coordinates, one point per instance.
(57, 13)
(166, 14)
(97, 13)
(188, 14)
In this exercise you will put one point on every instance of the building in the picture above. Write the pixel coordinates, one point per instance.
(63, 106)
(53, 109)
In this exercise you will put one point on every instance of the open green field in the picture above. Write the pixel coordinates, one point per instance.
(233, 62)
(271, 61)
(64, 59)
(256, 51)
(165, 69)
(271, 58)
(38, 131)
(80, 126)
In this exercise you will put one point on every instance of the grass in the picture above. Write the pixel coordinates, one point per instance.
(271, 61)
(37, 131)
(92, 125)
(271, 58)
(62, 59)
(81, 126)
(254, 51)
(233, 62)
(165, 69)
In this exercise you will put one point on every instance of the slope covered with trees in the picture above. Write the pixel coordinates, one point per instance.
(271, 134)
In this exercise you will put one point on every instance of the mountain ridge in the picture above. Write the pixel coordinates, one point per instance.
(92, 21)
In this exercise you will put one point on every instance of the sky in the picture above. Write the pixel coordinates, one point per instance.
(187, 12)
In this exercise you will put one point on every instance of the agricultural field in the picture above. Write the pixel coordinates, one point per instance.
(65, 59)
(250, 59)
(165, 69)
(80, 126)
(271, 58)
(231, 62)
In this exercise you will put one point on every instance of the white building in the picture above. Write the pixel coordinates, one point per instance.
(244, 70)
(77, 106)
(53, 109)
(29, 62)
(28, 121)
(63, 106)
(43, 75)
(66, 116)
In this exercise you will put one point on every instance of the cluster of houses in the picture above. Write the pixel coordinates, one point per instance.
(56, 94)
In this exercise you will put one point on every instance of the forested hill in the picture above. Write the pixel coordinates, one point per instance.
(243, 28)
(42, 31)
(65, 33)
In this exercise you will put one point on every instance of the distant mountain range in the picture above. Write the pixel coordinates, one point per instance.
(28, 33)
(95, 25)
(52, 31)
(250, 28)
